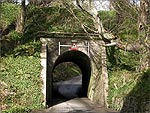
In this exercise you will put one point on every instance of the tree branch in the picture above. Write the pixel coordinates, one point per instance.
(134, 47)
(78, 4)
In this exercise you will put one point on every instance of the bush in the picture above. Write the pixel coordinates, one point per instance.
(8, 14)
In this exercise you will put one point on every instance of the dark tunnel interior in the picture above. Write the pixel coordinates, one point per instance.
(82, 61)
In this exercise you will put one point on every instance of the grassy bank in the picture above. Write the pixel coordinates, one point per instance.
(20, 84)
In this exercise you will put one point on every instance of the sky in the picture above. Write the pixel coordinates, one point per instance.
(101, 5)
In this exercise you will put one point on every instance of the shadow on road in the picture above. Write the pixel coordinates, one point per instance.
(66, 90)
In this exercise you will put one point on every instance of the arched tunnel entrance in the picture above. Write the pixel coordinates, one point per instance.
(82, 61)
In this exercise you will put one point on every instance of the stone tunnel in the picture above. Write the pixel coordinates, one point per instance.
(83, 61)
(87, 59)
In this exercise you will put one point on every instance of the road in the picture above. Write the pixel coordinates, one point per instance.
(76, 105)
(70, 89)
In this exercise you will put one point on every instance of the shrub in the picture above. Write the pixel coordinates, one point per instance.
(8, 14)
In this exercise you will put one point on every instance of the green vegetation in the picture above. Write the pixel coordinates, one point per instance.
(138, 99)
(20, 81)
(128, 88)
(8, 15)
(65, 71)
(121, 83)
(21, 84)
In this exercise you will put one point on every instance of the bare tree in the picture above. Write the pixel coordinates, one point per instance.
(21, 18)
(141, 45)
(144, 32)
(104, 35)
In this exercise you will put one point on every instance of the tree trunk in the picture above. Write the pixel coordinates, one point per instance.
(105, 36)
(120, 7)
(21, 18)
(144, 33)
(104, 73)
(101, 30)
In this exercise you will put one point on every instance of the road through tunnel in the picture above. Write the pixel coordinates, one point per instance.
(82, 61)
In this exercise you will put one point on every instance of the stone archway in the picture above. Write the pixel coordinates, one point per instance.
(90, 64)
(83, 62)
